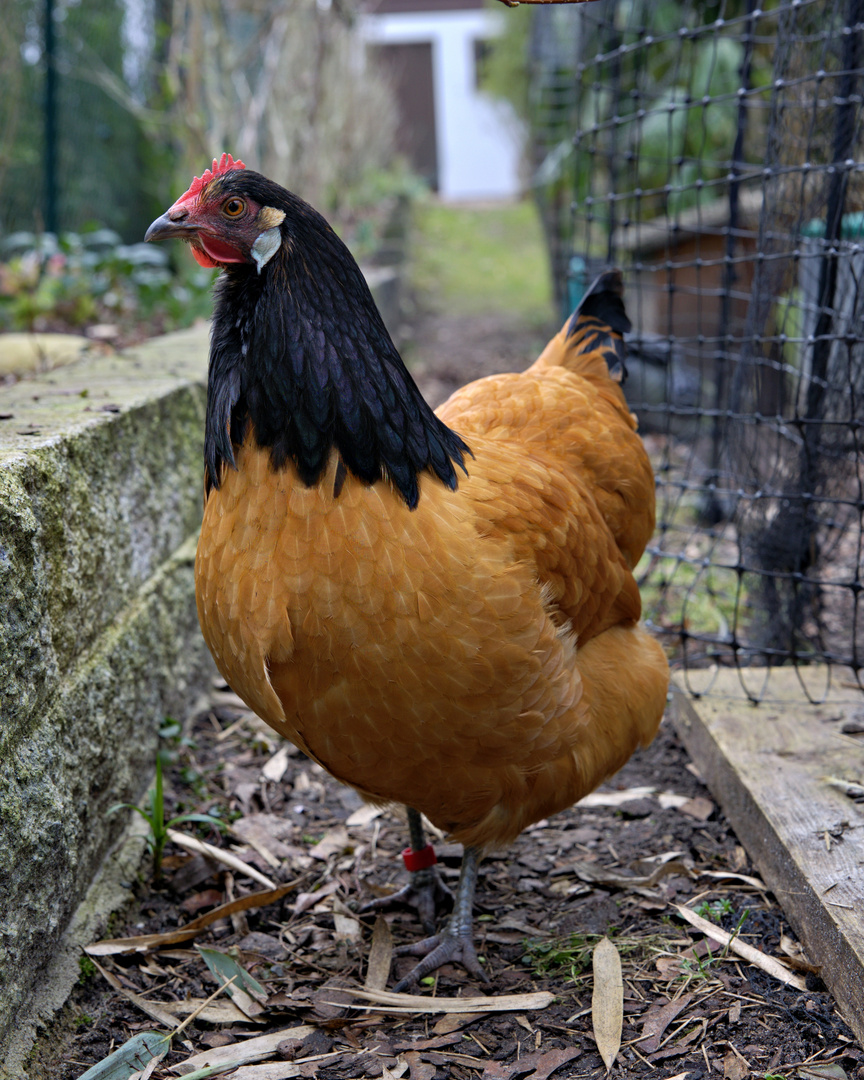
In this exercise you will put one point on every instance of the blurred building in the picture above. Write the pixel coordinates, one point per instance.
(467, 144)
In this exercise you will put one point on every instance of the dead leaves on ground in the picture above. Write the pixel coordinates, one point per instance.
(607, 1001)
(674, 987)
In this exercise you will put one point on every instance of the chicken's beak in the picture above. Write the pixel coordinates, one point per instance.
(174, 223)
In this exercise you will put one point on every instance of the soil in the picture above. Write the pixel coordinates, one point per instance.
(691, 1009)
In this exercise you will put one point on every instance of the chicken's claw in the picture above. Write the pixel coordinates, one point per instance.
(453, 944)
(425, 892)
(456, 940)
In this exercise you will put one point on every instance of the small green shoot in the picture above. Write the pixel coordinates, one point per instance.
(714, 909)
(701, 968)
(573, 952)
(86, 968)
(155, 818)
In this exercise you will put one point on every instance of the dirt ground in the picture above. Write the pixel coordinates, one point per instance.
(614, 868)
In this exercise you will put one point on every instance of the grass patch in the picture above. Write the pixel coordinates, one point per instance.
(480, 260)
(571, 954)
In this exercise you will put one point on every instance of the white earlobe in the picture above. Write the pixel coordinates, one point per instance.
(266, 246)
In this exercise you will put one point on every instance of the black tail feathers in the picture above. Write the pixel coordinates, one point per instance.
(600, 319)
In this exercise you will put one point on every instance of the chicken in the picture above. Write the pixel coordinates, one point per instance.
(447, 621)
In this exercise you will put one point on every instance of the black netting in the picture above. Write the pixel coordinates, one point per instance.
(714, 151)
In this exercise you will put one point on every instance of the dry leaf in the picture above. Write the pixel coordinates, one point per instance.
(333, 842)
(364, 816)
(728, 875)
(271, 1070)
(733, 1067)
(539, 1066)
(243, 1053)
(149, 942)
(387, 1001)
(832, 1071)
(220, 1012)
(420, 1070)
(346, 927)
(225, 857)
(657, 1019)
(670, 801)
(380, 956)
(615, 798)
(607, 1001)
(669, 967)
(274, 769)
(450, 1022)
(748, 952)
(600, 875)
(699, 808)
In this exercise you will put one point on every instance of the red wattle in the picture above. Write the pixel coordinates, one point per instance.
(216, 252)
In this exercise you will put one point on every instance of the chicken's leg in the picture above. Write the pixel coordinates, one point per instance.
(425, 891)
(456, 940)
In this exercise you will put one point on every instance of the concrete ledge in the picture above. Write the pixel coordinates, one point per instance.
(100, 502)
(101, 479)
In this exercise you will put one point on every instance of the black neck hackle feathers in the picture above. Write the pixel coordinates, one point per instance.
(301, 358)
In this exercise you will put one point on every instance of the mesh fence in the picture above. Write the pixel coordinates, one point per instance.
(714, 151)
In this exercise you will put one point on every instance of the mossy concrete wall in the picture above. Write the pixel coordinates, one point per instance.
(100, 503)
(101, 485)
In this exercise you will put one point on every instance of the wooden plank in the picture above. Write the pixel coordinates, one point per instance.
(766, 766)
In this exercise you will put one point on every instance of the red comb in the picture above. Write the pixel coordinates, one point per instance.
(225, 164)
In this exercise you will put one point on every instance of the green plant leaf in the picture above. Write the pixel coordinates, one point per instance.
(225, 967)
(131, 1057)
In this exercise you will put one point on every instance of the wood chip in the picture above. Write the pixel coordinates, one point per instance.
(607, 1001)
(749, 953)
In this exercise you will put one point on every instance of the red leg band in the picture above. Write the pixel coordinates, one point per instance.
(419, 860)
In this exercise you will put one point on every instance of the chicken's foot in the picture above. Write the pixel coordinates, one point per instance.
(455, 943)
(425, 892)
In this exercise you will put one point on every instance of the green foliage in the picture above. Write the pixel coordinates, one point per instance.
(700, 968)
(714, 909)
(86, 968)
(155, 818)
(469, 260)
(572, 953)
(504, 71)
(670, 108)
(78, 279)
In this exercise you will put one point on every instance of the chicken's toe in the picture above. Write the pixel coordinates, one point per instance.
(452, 945)
(425, 892)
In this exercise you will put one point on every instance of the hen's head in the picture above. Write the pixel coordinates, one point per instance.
(225, 217)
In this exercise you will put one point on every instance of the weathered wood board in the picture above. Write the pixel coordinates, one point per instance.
(766, 766)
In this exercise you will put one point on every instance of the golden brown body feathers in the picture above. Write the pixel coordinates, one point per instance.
(477, 658)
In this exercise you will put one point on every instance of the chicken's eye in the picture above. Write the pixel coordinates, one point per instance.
(234, 208)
